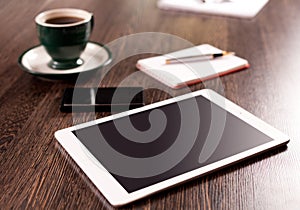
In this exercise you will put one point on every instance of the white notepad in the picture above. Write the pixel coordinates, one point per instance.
(181, 74)
(233, 8)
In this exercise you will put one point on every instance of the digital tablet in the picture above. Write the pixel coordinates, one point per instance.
(139, 152)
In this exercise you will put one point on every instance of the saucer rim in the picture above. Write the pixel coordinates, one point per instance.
(61, 76)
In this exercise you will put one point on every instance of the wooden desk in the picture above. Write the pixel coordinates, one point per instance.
(35, 174)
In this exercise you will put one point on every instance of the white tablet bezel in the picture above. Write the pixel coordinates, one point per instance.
(110, 187)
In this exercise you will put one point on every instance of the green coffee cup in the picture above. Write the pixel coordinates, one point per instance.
(64, 33)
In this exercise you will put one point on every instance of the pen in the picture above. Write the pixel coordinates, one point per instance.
(198, 57)
(216, 1)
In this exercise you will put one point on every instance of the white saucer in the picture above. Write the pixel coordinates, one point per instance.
(35, 60)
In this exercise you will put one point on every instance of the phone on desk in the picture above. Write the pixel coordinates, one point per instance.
(110, 99)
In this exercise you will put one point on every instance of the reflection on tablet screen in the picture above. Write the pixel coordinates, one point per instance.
(236, 137)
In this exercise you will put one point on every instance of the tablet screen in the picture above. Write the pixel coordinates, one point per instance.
(237, 136)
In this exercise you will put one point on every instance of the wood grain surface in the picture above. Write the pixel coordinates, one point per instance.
(35, 173)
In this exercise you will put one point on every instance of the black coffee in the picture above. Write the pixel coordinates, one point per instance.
(64, 20)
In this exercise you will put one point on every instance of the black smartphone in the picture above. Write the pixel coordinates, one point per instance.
(111, 99)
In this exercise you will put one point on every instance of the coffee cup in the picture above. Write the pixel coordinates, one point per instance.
(64, 33)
